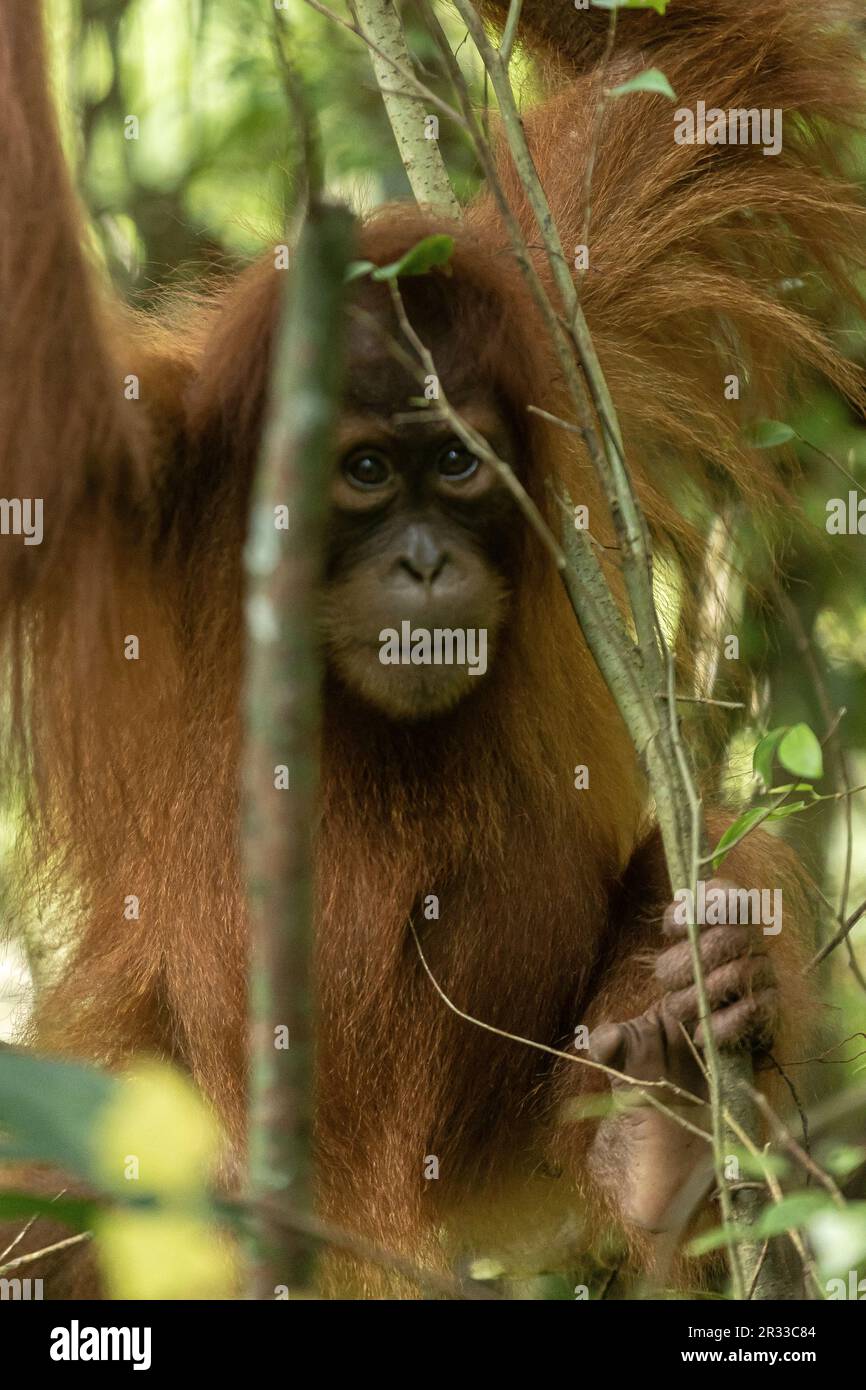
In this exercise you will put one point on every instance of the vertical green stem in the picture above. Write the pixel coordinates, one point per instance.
(282, 713)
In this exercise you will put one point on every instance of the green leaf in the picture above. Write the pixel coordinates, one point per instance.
(839, 1237)
(769, 434)
(800, 752)
(652, 80)
(486, 1269)
(658, 5)
(49, 1108)
(765, 752)
(791, 1212)
(757, 1166)
(782, 812)
(77, 1212)
(355, 269)
(578, 1108)
(433, 251)
(716, 1238)
(733, 832)
(844, 1159)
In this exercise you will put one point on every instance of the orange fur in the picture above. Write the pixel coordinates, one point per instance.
(135, 764)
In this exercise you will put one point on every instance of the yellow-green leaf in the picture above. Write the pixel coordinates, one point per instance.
(800, 752)
(432, 251)
(652, 80)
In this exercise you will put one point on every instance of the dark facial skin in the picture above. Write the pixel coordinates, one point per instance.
(420, 530)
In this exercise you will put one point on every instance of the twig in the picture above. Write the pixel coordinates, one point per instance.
(21, 1261)
(702, 700)
(831, 721)
(777, 1195)
(413, 82)
(757, 1271)
(836, 940)
(379, 21)
(600, 109)
(804, 646)
(282, 714)
(573, 1057)
(509, 34)
(797, 1151)
(471, 438)
(310, 161)
(16, 1240)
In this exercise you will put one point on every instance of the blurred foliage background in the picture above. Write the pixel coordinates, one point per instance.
(211, 176)
(210, 181)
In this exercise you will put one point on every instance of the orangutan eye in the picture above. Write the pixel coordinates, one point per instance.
(367, 468)
(456, 462)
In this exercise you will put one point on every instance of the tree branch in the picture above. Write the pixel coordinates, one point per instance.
(282, 714)
(379, 22)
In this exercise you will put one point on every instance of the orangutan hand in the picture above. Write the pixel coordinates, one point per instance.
(640, 1153)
